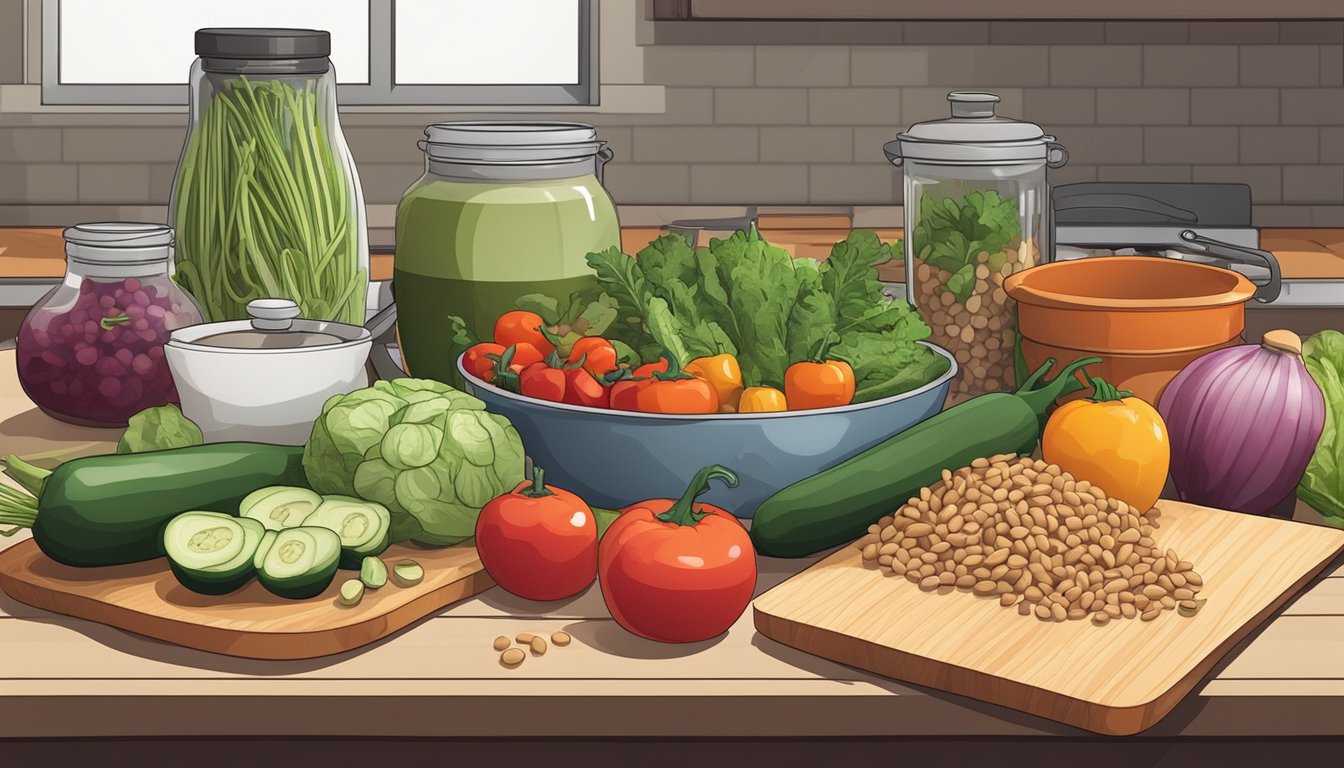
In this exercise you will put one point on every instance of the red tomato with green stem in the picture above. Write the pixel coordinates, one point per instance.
(538, 541)
(543, 381)
(677, 571)
(520, 327)
(582, 388)
(512, 361)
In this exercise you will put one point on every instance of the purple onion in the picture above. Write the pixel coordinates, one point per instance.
(1243, 423)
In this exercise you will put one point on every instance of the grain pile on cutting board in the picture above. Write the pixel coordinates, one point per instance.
(1035, 537)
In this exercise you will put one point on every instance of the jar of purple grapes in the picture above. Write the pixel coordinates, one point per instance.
(91, 351)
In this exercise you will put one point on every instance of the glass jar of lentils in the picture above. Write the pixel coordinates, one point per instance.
(976, 211)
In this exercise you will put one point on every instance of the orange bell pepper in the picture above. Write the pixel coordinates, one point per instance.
(819, 382)
(762, 400)
(723, 373)
(1114, 440)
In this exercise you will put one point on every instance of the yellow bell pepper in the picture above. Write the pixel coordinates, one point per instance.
(723, 374)
(1115, 441)
(762, 400)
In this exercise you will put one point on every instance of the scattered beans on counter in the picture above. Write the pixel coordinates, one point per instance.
(1034, 537)
(513, 657)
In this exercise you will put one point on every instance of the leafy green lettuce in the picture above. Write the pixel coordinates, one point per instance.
(1322, 485)
(751, 299)
(158, 429)
(949, 234)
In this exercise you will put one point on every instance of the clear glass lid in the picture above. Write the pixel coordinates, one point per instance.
(274, 326)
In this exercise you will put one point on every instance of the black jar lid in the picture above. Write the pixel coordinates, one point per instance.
(262, 43)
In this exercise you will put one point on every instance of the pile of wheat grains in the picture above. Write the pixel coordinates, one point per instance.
(1035, 537)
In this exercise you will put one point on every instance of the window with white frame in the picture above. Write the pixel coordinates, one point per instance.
(447, 52)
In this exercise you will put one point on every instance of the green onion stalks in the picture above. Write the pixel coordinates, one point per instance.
(262, 208)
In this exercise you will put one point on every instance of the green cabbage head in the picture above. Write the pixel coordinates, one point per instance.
(427, 452)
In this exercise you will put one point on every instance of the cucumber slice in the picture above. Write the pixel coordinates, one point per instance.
(352, 591)
(363, 526)
(301, 562)
(373, 572)
(279, 506)
(267, 540)
(407, 573)
(196, 544)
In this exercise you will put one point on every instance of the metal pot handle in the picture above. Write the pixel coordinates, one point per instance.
(1055, 154)
(892, 149)
(1241, 254)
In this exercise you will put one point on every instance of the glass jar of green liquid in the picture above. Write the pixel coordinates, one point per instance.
(503, 210)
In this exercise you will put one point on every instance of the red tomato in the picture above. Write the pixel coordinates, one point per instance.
(598, 355)
(582, 389)
(519, 327)
(622, 396)
(538, 541)
(477, 362)
(543, 382)
(682, 579)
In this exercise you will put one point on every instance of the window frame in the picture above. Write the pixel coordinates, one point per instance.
(380, 90)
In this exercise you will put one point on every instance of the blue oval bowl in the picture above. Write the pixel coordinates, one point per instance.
(614, 458)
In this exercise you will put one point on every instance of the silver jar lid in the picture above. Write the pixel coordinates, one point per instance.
(118, 242)
(520, 143)
(975, 135)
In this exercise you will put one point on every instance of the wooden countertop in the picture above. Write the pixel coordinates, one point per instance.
(70, 678)
(1303, 253)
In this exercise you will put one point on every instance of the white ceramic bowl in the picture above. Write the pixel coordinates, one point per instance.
(265, 380)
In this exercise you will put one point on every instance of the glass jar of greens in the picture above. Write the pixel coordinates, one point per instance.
(976, 211)
(266, 202)
(503, 210)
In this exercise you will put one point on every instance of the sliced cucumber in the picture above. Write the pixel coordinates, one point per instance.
(363, 526)
(407, 573)
(196, 543)
(267, 540)
(279, 506)
(352, 591)
(301, 562)
(373, 572)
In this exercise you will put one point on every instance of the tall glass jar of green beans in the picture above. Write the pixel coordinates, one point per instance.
(266, 202)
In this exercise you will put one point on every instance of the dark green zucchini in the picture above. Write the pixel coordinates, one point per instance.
(837, 505)
(109, 510)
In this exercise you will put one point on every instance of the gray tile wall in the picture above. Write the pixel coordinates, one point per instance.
(797, 112)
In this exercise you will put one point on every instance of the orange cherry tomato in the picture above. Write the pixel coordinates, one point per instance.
(598, 355)
(647, 370)
(477, 361)
(538, 541)
(819, 382)
(669, 390)
(520, 327)
(677, 571)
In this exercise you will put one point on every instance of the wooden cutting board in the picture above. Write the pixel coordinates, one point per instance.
(145, 598)
(1118, 679)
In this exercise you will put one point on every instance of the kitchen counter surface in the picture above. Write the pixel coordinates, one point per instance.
(1304, 254)
(69, 678)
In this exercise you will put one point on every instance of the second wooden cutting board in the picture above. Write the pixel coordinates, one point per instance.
(1119, 679)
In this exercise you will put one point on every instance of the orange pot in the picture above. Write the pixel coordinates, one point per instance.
(1145, 317)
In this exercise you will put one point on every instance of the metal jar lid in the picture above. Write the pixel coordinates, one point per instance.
(118, 242)
(975, 135)
(520, 143)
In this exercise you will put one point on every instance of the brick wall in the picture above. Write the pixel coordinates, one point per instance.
(796, 113)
